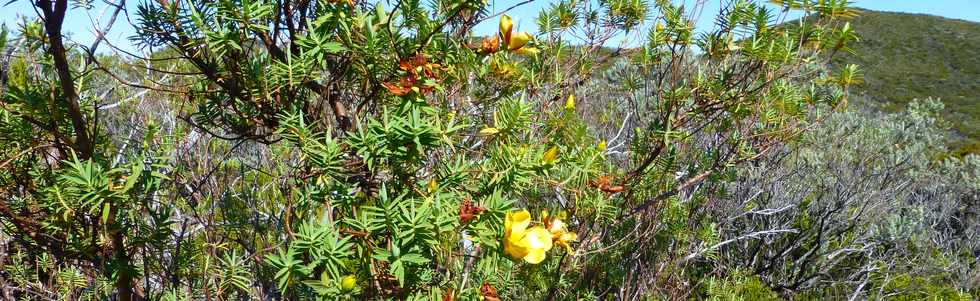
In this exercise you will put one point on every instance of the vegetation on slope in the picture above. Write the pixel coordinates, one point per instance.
(913, 56)
(357, 150)
(349, 150)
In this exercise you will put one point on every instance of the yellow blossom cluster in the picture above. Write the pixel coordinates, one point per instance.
(532, 243)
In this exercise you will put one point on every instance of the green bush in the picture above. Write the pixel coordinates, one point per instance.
(330, 150)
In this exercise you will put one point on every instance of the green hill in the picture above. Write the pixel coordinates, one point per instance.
(910, 56)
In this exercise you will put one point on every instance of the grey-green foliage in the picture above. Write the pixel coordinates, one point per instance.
(906, 56)
(864, 197)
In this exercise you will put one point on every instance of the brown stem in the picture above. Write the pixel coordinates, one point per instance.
(53, 18)
(124, 281)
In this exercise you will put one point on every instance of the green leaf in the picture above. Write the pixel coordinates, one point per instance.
(105, 212)
(332, 47)
(134, 176)
(415, 258)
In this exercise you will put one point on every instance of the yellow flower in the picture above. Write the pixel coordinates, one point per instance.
(560, 234)
(550, 155)
(518, 40)
(565, 241)
(348, 283)
(514, 41)
(530, 245)
(602, 145)
(570, 102)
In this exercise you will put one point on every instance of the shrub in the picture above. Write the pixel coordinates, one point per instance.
(865, 207)
(363, 150)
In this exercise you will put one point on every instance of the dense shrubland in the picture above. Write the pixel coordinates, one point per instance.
(362, 150)
(866, 207)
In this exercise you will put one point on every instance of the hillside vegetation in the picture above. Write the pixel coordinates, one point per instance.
(914, 56)
(374, 150)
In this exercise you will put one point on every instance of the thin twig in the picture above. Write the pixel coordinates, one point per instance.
(21, 153)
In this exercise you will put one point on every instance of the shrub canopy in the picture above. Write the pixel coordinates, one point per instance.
(382, 150)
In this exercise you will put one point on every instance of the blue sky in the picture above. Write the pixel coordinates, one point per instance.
(79, 21)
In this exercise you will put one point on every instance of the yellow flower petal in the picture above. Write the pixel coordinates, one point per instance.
(550, 155)
(515, 251)
(348, 283)
(568, 237)
(570, 102)
(538, 242)
(535, 256)
(565, 240)
(517, 240)
(517, 222)
(518, 40)
(538, 238)
(557, 228)
(506, 24)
